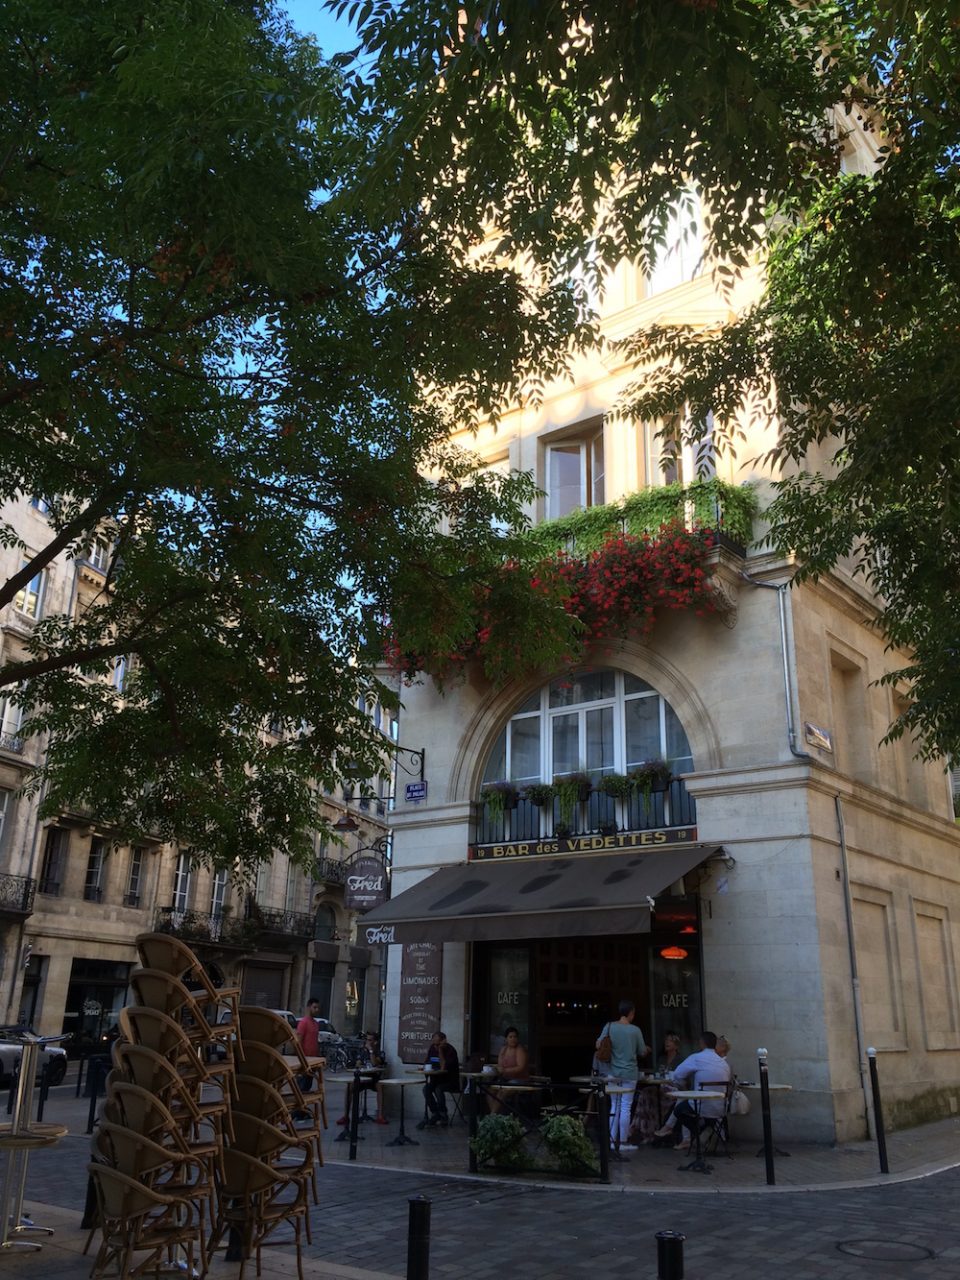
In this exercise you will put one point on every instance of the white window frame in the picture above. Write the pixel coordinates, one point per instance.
(546, 714)
(182, 878)
(682, 257)
(93, 880)
(592, 478)
(134, 877)
(121, 670)
(11, 718)
(98, 554)
(218, 892)
(29, 599)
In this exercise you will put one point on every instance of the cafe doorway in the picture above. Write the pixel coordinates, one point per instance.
(559, 992)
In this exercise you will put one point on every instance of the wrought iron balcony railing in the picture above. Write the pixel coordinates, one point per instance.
(332, 870)
(202, 926)
(289, 924)
(599, 814)
(11, 742)
(17, 894)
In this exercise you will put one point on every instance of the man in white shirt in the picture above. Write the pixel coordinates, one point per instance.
(700, 1071)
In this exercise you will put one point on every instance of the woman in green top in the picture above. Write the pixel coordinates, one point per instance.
(628, 1048)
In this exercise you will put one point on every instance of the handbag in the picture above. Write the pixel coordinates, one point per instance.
(739, 1103)
(605, 1047)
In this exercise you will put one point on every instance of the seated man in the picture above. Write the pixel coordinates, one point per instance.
(369, 1058)
(441, 1070)
(700, 1071)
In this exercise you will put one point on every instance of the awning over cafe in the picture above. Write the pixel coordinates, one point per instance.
(579, 896)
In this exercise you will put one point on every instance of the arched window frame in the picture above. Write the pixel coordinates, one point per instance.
(545, 708)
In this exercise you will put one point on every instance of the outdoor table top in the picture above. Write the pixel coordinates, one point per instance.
(742, 1084)
(696, 1093)
(400, 1080)
(614, 1089)
(347, 1078)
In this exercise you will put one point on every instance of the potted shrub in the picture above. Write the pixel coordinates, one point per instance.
(499, 797)
(540, 793)
(567, 1143)
(570, 789)
(617, 785)
(650, 776)
(499, 1141)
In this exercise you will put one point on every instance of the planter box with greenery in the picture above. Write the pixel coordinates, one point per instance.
(565, 1140)
(650, 776)
(499, 1141)
(571, 789)
(540, 793)
(617, 785)
(499, 797)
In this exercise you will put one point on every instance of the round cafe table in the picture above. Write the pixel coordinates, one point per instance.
(772, 1088)
(697, 1096)
(403, 1083)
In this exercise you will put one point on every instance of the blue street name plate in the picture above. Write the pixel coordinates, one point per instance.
(415, 792)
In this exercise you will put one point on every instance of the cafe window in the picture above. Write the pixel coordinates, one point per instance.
(601, 721)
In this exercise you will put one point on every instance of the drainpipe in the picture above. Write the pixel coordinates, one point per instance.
(854, 972)
(784, 655)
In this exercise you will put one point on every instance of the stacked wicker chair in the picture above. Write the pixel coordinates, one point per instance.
(187, 1150)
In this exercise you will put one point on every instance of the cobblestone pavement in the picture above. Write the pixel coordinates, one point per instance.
(905, 1226)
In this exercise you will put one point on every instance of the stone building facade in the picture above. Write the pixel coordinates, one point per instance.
(797, 888)
(72, 900)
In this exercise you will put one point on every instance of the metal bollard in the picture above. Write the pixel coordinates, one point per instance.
(95, 1077)
(355, 1113)
(765, 1109)
(878, 1111)
(44, 1090)
(80, 1065)
(670, 1255)
(603, 1136)
(418, 1239)
(472, 1088)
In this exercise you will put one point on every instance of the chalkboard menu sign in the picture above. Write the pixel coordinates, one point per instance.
(419, 999)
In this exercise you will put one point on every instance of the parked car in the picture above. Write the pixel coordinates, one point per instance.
(51, 1056)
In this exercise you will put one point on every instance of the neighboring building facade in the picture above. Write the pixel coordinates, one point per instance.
(72, 900)
(791, 864)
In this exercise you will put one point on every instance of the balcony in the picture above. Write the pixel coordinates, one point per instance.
(598, 815)
(11, 742)
(200, 927)
(16, 896)
(276, 927)
(331, 870)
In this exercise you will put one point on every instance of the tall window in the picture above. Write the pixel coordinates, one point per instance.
(29, 599)
(40, 504)
(668, 460)
(6, 812)
(325, 923)
(218, 892)
(120, 673)
(680, 258)
(11, 718)
(602, 721)
(98, 554)
(575, 474)
(93, 884)
(181, 883)
(54, 860)
(135, 879)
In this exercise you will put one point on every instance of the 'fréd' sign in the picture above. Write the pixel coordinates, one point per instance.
(366, 884)
(622, 842)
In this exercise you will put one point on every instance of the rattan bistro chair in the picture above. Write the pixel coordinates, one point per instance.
(151, 1071)
(165, 952)
(257, 1199)
(136, 1219)
(266, 1027)
(164, 1035)
(155, 989)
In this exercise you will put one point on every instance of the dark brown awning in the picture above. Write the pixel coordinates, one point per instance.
(579, 896)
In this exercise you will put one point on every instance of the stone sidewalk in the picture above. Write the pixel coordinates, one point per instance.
(831, 1214)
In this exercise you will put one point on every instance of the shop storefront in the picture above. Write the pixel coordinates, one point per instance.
(554, 943)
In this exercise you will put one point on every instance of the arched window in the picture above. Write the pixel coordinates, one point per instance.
(601, 721)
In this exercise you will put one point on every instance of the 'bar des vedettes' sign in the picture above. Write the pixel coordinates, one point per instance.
(622, 842)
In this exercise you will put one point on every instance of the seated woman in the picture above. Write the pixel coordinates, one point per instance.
(647, 1105)
(512, 1066)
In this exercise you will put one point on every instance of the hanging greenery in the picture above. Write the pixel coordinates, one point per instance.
(583, 601)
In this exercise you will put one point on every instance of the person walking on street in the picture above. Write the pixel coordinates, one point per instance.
(628, 1047)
